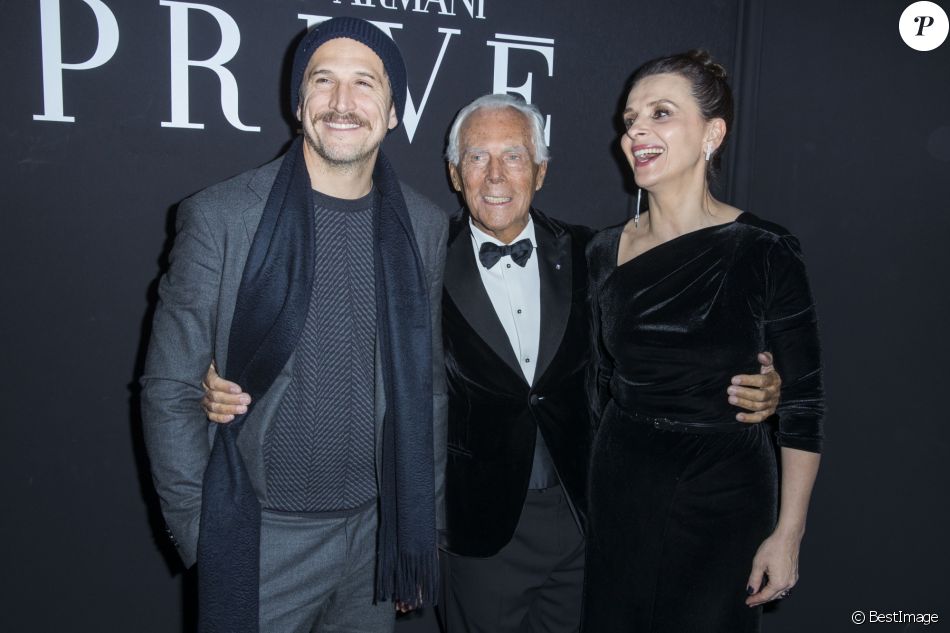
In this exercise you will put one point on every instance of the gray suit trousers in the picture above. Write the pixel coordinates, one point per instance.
(317, 574)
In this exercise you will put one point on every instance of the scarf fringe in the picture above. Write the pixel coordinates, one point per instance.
(415, 580)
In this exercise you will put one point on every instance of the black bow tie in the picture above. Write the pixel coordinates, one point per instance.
(520, 251)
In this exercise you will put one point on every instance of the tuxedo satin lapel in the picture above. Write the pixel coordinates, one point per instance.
(554, 268)
(464, 286)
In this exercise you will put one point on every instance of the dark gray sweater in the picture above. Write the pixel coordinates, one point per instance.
(320, 451)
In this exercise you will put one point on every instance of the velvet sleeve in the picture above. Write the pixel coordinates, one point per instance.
(791, 334)
(600, 370)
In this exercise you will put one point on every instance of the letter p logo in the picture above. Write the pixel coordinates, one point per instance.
(923, 26)
(925, 21)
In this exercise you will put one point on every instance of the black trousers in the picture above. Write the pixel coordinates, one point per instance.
(533, 585)
(675, 521)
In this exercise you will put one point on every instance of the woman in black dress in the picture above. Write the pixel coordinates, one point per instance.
(684, 535)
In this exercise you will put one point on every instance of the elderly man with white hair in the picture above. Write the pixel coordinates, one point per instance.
(515, 327)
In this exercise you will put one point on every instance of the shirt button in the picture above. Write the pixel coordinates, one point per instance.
(527, 360)
(519, 310)
(507, 265)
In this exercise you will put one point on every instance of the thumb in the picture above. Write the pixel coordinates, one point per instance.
(757, 578)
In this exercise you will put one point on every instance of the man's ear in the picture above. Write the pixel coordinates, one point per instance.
(456, 177)
(393, 120)
(542, 172)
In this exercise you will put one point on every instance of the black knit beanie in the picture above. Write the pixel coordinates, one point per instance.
(363, 32)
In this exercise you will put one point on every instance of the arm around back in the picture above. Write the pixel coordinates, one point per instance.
(180, 349)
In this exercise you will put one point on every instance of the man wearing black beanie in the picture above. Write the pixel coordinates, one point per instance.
(314, 282)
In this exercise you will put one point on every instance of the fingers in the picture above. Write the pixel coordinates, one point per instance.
(219, 390)
(770, 591)
(223, 399)
(404, 607)
(214, 382)
(220, 419)
(758, 580)
(767, 379)
(774, 570)
(771, 382)
(758, 403)
(223, 411)
(210, 376)
(747, 397)
(754, 418)
(756, 393)
(767, 376)
(764, 587)
(755, 381)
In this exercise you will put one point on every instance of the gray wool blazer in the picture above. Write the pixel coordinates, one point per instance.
(214, 231)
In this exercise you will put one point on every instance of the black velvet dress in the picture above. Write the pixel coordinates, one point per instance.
(681, 494)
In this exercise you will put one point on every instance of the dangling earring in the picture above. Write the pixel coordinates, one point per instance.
(636, 216)
(708, 151)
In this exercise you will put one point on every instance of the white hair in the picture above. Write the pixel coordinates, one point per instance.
(497, 102)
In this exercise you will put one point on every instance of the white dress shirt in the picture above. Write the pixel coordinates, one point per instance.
(515, 293)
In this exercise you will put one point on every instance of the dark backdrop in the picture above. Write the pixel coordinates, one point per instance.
(843, 135)
(849, 139)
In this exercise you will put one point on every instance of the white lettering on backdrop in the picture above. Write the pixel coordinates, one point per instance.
(53, 65)
(181, 63)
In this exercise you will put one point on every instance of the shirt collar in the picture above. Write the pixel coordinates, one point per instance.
(480, 237)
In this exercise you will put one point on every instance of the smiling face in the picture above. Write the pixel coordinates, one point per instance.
(667, 136)
(496, 173)
(345, 104)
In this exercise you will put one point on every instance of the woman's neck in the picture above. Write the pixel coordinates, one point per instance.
(675, 211)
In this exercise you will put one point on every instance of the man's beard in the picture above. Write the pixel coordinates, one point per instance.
(347, 158)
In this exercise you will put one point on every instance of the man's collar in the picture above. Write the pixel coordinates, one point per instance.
(480, 237)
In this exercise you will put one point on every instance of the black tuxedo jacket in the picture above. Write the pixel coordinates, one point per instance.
(493, 413)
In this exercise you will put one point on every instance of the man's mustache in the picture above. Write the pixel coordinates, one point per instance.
(336, 117)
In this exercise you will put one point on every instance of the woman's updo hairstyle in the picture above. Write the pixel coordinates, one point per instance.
(708, 83)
